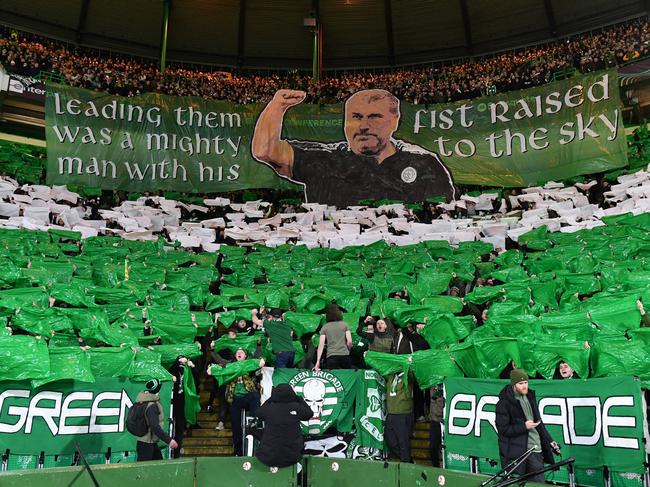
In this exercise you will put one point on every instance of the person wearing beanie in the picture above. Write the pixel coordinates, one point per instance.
(520, 427)
(147, 445)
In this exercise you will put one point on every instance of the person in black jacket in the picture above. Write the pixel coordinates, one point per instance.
(177, 370)
(520, 427)
(282, 442)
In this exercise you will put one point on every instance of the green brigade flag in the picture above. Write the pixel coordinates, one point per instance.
(599, 422)
(54, 417)
(329, 393)
(371, 410)
(154, 142)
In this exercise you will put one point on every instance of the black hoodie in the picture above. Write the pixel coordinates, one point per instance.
(282, 441)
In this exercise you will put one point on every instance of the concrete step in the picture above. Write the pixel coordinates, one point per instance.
(208, 451)
(210, 433)
(421, 454)
(207, 442)
(421, 434)
(424, 425)
(203, 416)
(419, 444)
(212, 424)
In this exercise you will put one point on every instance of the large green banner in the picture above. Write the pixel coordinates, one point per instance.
(329, 393)
(337, 397)
(55, 417)
(371, 147)
(599, 422)
(371, 410)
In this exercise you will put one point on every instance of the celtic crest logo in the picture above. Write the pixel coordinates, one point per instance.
(409, 174)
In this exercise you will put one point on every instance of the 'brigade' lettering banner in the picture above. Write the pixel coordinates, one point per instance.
(56, 416)
(599, 422)
(370, 148)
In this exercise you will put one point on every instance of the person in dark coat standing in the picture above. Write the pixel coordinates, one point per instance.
(520, 427)
(282, 440)
(177, 370)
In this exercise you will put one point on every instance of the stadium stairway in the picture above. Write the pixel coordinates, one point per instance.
(420, 444)
(206, 441)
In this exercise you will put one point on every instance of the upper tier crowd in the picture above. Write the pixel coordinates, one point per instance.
(518, 69)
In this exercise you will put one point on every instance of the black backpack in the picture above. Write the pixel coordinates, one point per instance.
(136, 421)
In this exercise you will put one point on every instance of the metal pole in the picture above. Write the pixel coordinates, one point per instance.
(314, 55)
(163, 42)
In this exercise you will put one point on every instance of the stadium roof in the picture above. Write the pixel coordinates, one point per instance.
(357, 33)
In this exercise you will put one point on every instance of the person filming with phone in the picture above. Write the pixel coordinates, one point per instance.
(520, 428)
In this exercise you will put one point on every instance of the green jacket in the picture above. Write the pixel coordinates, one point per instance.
(399, 397)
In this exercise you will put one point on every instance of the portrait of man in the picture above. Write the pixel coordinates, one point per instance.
(369, 164)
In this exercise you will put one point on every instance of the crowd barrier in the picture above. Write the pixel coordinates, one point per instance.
(246, 472)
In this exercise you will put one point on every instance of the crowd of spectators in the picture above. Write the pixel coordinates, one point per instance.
(518, 69)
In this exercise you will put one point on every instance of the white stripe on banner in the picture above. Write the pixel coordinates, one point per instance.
(328, 390)
(267, 383)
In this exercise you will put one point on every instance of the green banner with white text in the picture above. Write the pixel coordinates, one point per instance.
(330, 394)
(343, 401)
(599, 422)
(55, 417)
(374, 146)
(371, 410)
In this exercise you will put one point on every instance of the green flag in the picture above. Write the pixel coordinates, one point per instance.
(192, 405)
(169, 353)
(302, 323)
(431, 367)
(248, 343)
(487, 357)
(388, 363)
(23, 357)
(330, 394)
(370, 410)
(67, 363)
(147, 366)
(230, 372)
(445, 329)
(111, 361)
(41, 321)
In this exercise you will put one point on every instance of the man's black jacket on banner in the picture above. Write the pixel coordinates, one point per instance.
(282, 442)
(511, 427)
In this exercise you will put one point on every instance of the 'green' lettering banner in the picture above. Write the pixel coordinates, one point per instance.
(599, 422)
(156, 142)
(56, 416)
